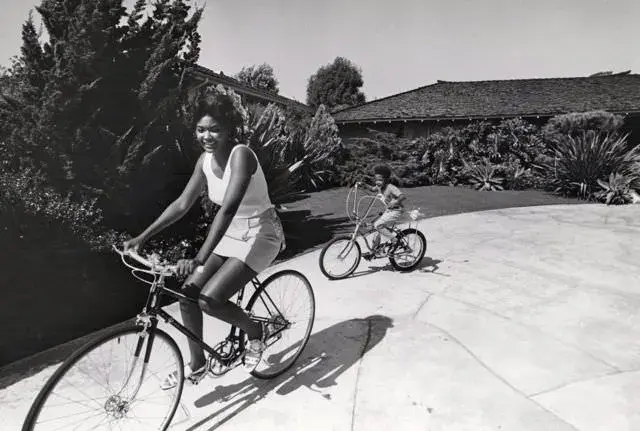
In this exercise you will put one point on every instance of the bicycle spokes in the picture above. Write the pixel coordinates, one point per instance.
(287, 307)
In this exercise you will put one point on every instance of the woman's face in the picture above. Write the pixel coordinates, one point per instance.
(210, 134)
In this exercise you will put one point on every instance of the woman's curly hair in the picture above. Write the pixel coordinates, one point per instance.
(224, 106)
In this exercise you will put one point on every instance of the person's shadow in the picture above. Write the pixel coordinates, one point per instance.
(328, 354)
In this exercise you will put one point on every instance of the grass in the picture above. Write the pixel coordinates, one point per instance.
(318, 217)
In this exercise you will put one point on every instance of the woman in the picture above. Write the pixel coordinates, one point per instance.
(243, 240)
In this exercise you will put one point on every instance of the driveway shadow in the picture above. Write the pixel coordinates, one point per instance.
(320, 365)
(427, 264)
(304, 231)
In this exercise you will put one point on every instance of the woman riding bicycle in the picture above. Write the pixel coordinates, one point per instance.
(244, 238)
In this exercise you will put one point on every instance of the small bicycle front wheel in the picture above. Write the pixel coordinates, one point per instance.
(340, 257)
(113, 382)
(286, 303)
(408, 251)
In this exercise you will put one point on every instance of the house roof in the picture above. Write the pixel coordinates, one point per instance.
(618, 93)
(206, 74)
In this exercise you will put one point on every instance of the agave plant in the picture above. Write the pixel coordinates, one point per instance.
(578, 162)
(482, 176)
(617, 191)
(268, 138)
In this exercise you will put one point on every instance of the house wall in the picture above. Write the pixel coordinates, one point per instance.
(415, 129)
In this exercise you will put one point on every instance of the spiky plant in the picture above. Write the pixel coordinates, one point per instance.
(578, 162)
(617, 191)
(482, 176)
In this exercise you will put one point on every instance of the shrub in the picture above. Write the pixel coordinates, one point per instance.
(576, 164)
(446, 150)
(320, 150)
(617, 191)
(573, 125)
(482, 176)
(403, 155)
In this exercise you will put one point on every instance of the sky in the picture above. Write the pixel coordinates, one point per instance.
(404, 44)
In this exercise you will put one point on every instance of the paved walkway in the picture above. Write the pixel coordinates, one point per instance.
(519, 319)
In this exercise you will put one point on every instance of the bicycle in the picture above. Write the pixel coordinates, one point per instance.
(348, 249)
(128, 388)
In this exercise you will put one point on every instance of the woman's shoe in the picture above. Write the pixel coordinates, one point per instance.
(254, 349)
(171, 380)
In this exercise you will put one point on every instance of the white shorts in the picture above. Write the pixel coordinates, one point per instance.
(388, 218)
(256, 241)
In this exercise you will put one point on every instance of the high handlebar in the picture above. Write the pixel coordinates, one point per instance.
(152, 266)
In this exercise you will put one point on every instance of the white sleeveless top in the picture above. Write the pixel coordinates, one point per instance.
(256, 199)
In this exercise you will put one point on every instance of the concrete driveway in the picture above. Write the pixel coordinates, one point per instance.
(519, 319)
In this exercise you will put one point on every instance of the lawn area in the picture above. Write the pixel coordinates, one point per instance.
(318, 217)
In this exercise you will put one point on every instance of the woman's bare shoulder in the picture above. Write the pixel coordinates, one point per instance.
(243, 156)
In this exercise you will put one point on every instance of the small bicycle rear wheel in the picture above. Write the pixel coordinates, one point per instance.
(409, 250)
(340, 257)
(285, 302)
(113, 382)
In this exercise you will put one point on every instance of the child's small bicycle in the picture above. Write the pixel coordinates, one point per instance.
(114, 381)
(341, 256)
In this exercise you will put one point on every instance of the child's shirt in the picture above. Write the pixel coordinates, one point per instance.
(390, 193)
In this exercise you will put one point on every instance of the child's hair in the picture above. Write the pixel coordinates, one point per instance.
(383, 170)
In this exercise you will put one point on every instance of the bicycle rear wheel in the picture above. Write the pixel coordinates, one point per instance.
(408, 250)
(113, 382)
(340, 257)
(285, 301)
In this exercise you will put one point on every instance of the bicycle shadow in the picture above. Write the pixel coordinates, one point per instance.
(427, 264)
(328, 354)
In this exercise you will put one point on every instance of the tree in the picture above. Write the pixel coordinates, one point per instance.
(97, 108)
(336, 85)
(261, 77)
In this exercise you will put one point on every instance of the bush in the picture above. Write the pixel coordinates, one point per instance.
(404, 156)
(482, 176)
(573, 125)
(447, 150)
(576, 164)
(617, 191)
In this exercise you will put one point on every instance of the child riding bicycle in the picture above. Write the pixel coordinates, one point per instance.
(393, 199)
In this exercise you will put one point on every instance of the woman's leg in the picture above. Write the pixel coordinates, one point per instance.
(191, 312)
(214, 296)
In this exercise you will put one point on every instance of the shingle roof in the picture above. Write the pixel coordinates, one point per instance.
(205, 73)
(508, 98)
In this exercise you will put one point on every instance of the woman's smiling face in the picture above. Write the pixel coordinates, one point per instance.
(209, 133)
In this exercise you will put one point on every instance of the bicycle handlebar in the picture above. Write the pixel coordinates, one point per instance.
(152, 267)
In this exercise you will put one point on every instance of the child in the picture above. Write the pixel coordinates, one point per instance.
(392, 198)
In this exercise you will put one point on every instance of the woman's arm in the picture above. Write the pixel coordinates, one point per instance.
(243, 166)
(178, 208)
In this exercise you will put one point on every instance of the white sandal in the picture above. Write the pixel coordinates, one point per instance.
(171, 380)
(254, 349)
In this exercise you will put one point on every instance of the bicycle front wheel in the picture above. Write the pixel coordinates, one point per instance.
(113, 382)
(285, 302)
(340, 257)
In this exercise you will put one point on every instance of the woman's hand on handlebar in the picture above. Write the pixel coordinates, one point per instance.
(186, 267)
(133, 244)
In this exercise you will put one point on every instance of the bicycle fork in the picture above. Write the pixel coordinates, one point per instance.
(147, 333)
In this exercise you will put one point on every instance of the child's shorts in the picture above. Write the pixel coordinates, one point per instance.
(388, 218)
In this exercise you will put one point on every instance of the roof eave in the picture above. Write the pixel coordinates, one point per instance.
(468, 117)
(206, 75)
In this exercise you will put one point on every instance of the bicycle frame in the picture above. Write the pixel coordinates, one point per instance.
(361, 220)
(151, 311)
